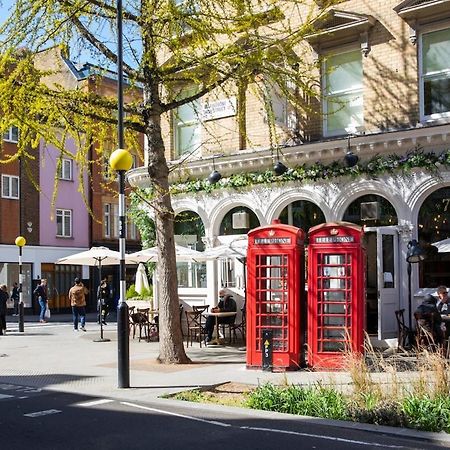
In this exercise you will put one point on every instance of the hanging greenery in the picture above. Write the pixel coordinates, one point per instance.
(376, 166)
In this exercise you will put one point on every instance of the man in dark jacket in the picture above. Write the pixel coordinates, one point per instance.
(3, 299)
(15, 296)
(226, 304)
(429, 319)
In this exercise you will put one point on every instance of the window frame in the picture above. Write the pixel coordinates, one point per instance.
(8, 135)
(107, 220)
(10, 179)
(62, 213)
(427, 29)
(178, 124)
(325, 95)
(61, 171)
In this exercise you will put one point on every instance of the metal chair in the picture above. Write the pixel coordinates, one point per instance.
(239, 327)
(405, 336)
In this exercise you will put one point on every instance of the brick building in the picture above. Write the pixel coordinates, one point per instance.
(379, 127)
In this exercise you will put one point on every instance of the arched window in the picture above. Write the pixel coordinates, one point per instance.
(434, 226)
(371, 210)
(189, 230)
(239, 220)
(302, 214)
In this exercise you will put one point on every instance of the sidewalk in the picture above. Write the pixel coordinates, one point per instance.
(53, 356)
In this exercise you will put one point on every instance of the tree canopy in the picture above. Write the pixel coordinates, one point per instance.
(169, 46)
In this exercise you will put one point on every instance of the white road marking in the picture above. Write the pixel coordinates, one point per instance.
(43, 413)
(2, 396)
(269, 430)
(212, 422)
(95, 402)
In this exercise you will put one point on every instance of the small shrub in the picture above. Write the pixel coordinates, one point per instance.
(382, 413)
(190, 396)
(426, 413)
(316, 401)
(131, 292)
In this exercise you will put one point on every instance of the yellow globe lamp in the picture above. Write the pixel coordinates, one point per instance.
(120, 160)
(20, 241)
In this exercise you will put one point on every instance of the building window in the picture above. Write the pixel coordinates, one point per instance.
(132, 231)
(107, 220)
(435, 74)
(12, 135)
(64, 223)
(65, 170)
(10, 186)
(343, 93)
(187, 128)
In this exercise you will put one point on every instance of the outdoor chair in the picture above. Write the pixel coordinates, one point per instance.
(140, 320)
(195, 328)
(405, 336)
(426, 337)
(239, 327)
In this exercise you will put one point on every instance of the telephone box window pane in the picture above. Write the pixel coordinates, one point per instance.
(338, 296)
(334, 259)
(334, 333)
(333, 346)
(334, 283)
(334, 309)
(334, 320)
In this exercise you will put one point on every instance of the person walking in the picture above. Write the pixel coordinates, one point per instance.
(3, 299)
(15, 298)
(77, 297)
(103, 301)
(42, 296)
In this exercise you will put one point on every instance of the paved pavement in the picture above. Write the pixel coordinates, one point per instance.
(53, 356)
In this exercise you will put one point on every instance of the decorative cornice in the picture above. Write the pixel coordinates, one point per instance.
(258, 160)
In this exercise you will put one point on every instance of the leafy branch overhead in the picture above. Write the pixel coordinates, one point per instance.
(175, 52)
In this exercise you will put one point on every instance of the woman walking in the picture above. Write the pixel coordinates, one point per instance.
(3, 299)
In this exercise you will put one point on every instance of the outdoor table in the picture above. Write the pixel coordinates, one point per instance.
(216, 341)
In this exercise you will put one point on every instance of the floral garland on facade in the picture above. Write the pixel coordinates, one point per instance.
(378, 165)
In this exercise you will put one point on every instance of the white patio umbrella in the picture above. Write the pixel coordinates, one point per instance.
(141, 279)
(151, 255)
(443, 246)
(95, 256)
(233, 249)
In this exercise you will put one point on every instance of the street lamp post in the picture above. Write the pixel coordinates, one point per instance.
(121, 161)
(414, 255)
(20, 242)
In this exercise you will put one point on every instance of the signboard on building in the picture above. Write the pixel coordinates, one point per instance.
(219, 109)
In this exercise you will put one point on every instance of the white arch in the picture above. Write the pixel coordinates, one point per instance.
(222, 207)
(187, 204)
(360, 187)
(293, 195)
(425, 188)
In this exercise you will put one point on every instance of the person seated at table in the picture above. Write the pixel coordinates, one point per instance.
(226, 304)
(429, 319)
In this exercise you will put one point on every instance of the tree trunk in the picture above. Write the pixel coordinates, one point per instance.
(171, 348)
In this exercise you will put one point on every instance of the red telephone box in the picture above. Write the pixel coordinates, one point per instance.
(275, 286)
(336, 293)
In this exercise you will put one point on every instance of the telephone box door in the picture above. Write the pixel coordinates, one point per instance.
(336, 294)
(274, 268)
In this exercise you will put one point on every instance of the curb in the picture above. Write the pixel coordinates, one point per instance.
(425, 436)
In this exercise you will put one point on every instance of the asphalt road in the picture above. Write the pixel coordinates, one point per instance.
(33, 418)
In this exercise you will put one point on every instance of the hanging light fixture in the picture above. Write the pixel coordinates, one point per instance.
(215, 175)
(350, 158)
(279, 168)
